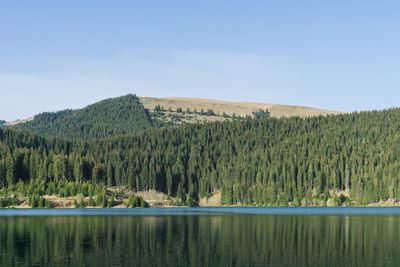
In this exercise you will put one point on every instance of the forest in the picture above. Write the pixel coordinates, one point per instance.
(349, 159)
(110, 117)
(117, 116)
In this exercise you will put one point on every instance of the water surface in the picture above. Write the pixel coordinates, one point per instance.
(201, 237)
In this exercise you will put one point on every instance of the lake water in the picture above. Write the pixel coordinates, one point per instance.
(201, 237)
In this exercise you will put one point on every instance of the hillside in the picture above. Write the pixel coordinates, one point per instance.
(130, 114)
(349, 159)
(239, 108)
(11, 123)
(110, 117)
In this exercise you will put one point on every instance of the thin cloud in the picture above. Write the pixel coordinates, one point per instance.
(190, 73)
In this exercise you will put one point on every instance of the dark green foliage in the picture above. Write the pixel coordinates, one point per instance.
(33, 201)
(81, 203)
(180, 195)
(288, 161)
(210, 112)
(261, 114)
(133, 201)
(111, 201)
(341, 200)
(41, 202)
(143, 203)
(109, 117)
(136, 201)
(47, 204)
(158, 108)
(91, 202)
(190, 202)
(101, 200)
(8, 202)
(2, 122)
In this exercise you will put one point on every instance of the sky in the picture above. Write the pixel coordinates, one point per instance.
(339, 55)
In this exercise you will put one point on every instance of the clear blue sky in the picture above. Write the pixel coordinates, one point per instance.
(341, 55)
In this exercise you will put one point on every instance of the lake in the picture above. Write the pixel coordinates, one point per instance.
(200, 237)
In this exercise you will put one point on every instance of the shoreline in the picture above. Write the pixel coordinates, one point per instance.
(221, 206)
(155, 199)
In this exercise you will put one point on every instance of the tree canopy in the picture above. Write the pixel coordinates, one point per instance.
(110, 117)
(252, 162)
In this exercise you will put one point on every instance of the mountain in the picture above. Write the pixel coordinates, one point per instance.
(110, 117)
(348, 159)
(130, 114)
(239, 108)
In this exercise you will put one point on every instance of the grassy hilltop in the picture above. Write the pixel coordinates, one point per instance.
(239, 108)
(130, 114)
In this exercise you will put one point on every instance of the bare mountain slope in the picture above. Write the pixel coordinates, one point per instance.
(128, 114)
(239, 108)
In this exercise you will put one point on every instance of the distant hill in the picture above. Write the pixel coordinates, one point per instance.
(239, 108)
(110, 117)
(130, 114)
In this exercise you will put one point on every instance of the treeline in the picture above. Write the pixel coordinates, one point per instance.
(159, 111)
(252, 162)
(163, 118)
(84, 193)
(110, 117)
(209, 112)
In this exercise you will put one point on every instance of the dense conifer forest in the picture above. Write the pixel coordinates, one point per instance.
(117, 116)
(350, 159)
(110, 117)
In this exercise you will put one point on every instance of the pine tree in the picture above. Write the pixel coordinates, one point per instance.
(91, 202)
